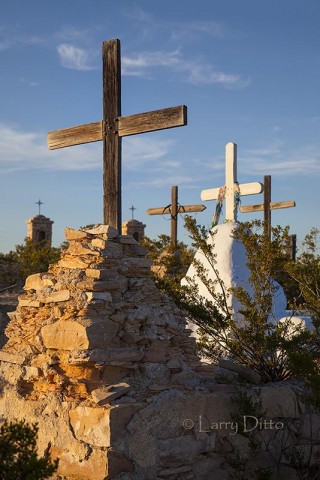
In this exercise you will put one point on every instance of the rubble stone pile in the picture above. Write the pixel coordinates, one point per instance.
(103, 362)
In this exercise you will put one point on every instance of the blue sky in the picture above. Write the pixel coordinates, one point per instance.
(248, 71)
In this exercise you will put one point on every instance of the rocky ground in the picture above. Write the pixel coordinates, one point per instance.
(8, 303)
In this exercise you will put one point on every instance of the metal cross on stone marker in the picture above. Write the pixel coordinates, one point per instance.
(267, 205)
(232, 187)
(112, 128)
(39, 203)
(173, 209)
(132, 208)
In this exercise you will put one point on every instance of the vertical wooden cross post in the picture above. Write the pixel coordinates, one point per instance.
(267, 206)
(173, 209)
(232, 189)
(112, 128)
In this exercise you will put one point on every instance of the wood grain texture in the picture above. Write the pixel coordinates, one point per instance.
(273, 206)
(111, 142)
(151, 121)
(181, 209)
(67, 137)
(245, 189)
(112, 127)
(266, 205)
(174, 216)
(130, 125)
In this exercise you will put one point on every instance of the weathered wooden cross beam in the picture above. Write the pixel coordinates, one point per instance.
(267, 205)
(112, 128)
(173, 209)
(233, 190)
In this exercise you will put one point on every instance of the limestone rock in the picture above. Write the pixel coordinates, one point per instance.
(118, 463)
(37, 281)
(171, 472)
(54, 297)
(101, 359)
(102, 396)
(246, 372)
(107, 230)
(279, 402)
(29, 302)
(99, 426)
(72, 234)
(67, 335)
(91, 425)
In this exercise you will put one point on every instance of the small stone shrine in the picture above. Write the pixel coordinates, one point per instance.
(40, 228)
(133, 227)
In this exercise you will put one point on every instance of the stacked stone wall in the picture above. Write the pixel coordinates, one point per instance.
(103, 361)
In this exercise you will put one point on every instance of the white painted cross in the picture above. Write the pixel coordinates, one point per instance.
(232, 185)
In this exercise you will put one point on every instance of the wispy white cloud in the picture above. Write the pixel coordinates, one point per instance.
(26, 150)
(138, 14)
(74, 57)
(151, 59)
(278, 159)
(188, 31)
(205, 74)
(31, 83)
(12, 37)
(150, 152)
(5, 44)
(194, 71)
(72, 34)
(182, 31)
(166, 181)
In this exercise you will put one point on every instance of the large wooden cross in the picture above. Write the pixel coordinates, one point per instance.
(267, 205)
(231, 186)
(173, 209)
(112, 128)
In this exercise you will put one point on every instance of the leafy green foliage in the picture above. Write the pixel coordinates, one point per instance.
(306, 273)
(18, 455)
(258, 341)
(249, 406)
(276, 350)
(168, 261)
(34, 257)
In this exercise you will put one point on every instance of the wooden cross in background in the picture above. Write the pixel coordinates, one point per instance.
(267, 206)
(231, 182)
(112, 128)
(173, 209)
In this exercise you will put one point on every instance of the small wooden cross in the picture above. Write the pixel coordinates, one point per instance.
(112, 128)
(39, 203)
(232, 185)
(173, 209)
(267, 205)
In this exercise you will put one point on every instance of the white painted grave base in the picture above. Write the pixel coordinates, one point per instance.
(231, 264)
